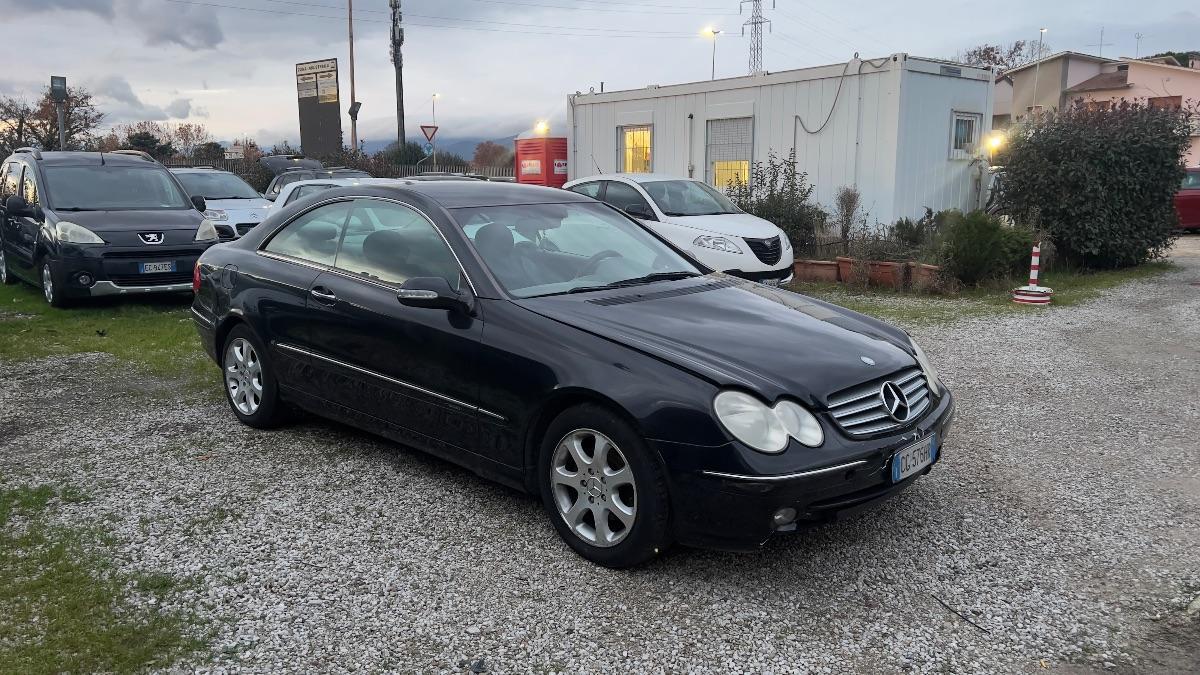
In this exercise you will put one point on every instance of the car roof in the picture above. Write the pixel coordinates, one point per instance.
(455, 194)
(74, 158)
(197, 169)
(635, 177)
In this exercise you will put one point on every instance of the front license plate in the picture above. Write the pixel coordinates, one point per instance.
(771, 282)
(152, 268)
(914, 458)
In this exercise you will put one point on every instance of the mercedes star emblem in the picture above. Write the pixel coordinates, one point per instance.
(895, 403)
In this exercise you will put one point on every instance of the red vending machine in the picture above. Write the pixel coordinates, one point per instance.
(542, 161)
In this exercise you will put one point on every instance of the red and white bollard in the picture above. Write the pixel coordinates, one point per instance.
(1033, 294)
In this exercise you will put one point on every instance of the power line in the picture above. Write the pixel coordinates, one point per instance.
(591, 32)
(633, 8)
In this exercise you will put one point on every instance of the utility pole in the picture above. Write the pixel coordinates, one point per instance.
(1037, 69)
(58, 92)
(1101, 44)
(1137, 50)
(353, 97)
(755, 22)
(398, 62)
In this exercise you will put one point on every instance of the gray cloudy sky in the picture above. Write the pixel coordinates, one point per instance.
(498, 64)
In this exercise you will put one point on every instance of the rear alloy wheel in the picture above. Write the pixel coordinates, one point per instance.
(5, 278)
(249, 384)
(605, 492)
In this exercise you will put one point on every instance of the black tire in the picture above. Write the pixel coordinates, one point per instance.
(269, 412)
(6, 276)
(649, 534)
(51, 288)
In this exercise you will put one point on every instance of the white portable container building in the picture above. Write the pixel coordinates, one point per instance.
(906, 131)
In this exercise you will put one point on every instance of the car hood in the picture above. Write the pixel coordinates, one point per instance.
(128, 221)
(241, 210)
(729, 224)
(738, 333)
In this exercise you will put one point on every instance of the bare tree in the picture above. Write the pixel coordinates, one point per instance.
(189, 136)
(1004, 57)
(23, 124)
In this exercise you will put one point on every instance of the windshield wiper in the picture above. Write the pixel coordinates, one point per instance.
(74, 208)
(636, 281)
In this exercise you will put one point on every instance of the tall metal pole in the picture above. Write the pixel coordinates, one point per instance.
(398, 62)
(715, 33)
(353, 97)
(756, 23)
(1037, 69)
(433, 104)
(62, 126)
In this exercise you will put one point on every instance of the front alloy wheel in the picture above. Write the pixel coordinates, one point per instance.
(4, 278)
(594, 488)
(49, 289)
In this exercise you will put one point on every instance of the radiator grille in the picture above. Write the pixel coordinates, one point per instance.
(767, 250)
(162, 279)
(860, 410)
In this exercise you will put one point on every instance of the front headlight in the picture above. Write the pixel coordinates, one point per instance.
(787, 243)
(216, 214)
(764, 428)
(70, 233)
(717, 244)
(931, 373)
(207, 231)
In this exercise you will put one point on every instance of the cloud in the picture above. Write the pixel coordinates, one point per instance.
(167, 23)
(104, 8)
(122, 104)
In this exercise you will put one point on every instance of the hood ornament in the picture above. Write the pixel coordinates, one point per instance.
(867, 360)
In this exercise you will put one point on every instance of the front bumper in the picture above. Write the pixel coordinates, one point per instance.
(734, 510)
(100, 271)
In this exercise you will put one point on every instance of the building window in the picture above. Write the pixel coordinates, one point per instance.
(1166, 102)
(964, 135)
(1098, 106)
(634, 153)
(729, 151)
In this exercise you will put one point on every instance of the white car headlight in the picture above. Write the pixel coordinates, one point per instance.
(931, 373)
(216, 214)
(764, 428)
(76, 234)
(207, 231)
(787, 243)
(717, 244)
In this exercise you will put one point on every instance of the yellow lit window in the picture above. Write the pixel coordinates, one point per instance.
(635, 150)
(726, 172)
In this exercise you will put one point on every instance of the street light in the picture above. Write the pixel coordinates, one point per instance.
(713, 33)
(542, 128)
(1037, 69)
(434, 104)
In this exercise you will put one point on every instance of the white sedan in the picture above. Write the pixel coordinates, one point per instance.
(697, 218)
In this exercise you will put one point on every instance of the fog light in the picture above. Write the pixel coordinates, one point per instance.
(85, 279)
(784, 516)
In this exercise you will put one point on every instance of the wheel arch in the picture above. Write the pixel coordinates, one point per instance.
(559, 401)
(224, 327)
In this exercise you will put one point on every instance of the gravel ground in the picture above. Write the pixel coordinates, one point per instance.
(1060, 532)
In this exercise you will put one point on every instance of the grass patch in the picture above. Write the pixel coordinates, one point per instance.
(65, 608)
(155, 334)
(1070, 288)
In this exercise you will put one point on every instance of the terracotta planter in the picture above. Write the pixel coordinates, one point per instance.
(923, 276)
(845, 268)
(883, 273)
(815, 270)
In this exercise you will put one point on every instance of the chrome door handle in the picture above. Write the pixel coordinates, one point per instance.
(321, 295)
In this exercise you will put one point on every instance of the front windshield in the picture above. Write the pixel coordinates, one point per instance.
(113, 188)
(688, 198)
(217, 186)
(548, 249)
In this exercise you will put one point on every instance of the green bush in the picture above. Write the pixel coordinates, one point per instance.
(1101, 181)
(977, 247)
(778, 192)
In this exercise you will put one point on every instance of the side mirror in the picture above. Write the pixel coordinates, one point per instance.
(435, 293)
(17, 207)
(640, 211)
(198, 202)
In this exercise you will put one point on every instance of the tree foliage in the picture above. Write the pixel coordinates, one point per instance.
(978, 247)
(209, 151)
(24, 124)
(490, 153)
(1181, 57)
(1004, 57)
(780, 193)
(1101, 182)
(149, 143)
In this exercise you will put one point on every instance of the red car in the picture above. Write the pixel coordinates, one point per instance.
(1187, 201)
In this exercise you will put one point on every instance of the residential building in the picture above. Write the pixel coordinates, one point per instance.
(904, 130)
(1043, 84)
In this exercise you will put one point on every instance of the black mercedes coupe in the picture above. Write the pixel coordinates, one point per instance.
(550, 342)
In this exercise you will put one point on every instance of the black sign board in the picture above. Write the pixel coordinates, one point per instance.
(58, 88)
(320, 112)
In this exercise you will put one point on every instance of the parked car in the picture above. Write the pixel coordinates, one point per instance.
(293, 192)
(233, 206)
(1187, 201)
(554, 344)
(697, 218)
(296, 174)
(88, 224)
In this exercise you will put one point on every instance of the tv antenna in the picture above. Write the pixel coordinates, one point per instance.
(1101, 44)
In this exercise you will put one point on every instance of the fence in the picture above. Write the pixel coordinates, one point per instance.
(375, 167)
